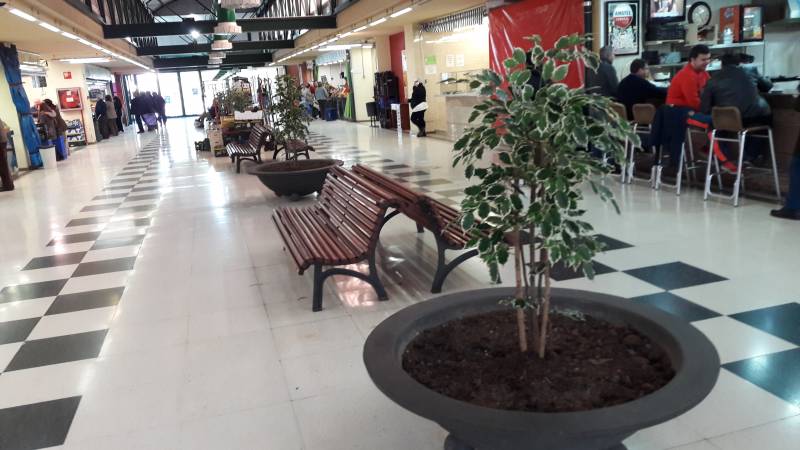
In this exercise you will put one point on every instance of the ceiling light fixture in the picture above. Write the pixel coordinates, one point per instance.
(226, 22)
(22, 14)
(346, 34)
(221, 43)
(194, 34)
(68, 35)
(367, 46)
(49, 27)
(401, 12)
(85, 60)
(215, 61)
(378, 22)
(362, 28)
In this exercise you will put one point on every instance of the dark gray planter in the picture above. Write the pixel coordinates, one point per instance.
(295, 178)
(473, 427)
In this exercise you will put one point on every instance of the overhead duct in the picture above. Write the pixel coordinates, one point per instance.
(226, 21)
(240, 3)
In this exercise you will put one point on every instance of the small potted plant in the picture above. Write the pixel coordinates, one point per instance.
(294, 177)
(531, 366)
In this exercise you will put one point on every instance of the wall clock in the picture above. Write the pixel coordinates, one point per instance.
(700, 14)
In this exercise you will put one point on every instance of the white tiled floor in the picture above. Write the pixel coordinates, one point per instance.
(213, 344)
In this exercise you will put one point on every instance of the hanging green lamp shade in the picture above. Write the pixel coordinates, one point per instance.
(226, 21)
(221, 43)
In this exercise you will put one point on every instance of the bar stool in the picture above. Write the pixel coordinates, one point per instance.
(619, 108)
(643, 116)
(729, 119)
(687, 161)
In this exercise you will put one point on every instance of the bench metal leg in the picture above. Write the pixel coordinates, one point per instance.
(371, 278)
(443, 269)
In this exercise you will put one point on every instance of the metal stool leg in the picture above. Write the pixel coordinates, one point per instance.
(707, 189)
(738, 183)
(681, 162)
(774, 166)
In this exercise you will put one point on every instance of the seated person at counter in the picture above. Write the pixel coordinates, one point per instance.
(688, 83)
(683, 97)
(733, 86)
(761, 82)
(635, 88)
(604, 81)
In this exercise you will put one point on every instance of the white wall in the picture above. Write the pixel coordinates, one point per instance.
(362, 71)
(8, 112)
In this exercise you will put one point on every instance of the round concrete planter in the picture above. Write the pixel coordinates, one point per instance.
(295, 178)
(693, 356)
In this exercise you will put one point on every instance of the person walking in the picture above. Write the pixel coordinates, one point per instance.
(160, 107)
(5, 171)
(118, 109)
(111, 116)
(137, 109)
(418, 107)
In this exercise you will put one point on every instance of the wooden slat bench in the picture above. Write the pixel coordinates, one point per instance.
(341, 228)
(428, 213)
(250, 150)
(292, 146)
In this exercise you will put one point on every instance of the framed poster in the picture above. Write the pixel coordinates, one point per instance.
(622, 27)
(69, 99)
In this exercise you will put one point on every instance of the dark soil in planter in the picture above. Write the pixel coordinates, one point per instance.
(589, 364)
(289, 166)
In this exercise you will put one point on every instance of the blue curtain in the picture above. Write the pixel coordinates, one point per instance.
(30, 136)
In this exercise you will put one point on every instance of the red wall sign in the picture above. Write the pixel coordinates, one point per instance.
(69, 99)
(67, 75)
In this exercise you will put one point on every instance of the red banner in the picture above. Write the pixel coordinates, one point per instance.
(551, 19)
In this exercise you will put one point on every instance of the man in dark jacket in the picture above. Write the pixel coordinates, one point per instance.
(604, 81)
(137, 109)
(635, 88)
(418, 102)
(732, 86)
(161, 107)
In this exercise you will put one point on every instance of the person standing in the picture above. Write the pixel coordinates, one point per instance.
(137, 109)
(636, 88)
(111, 116)
(604, 81)
(791, 210)
(418, 107)
(101, 118)
(118, 109)
(61, 130)
(47, 118)
(5, 171)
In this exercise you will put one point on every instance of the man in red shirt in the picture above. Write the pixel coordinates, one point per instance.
(685, 88)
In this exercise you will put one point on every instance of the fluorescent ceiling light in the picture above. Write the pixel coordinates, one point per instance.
(22, 14)
(49, 27)
(85, 60)
(69, 35)
(366, 46)
(195, 34)
(331, 40)
(378, 22)
(347, 34)
(360, 29)
(84, 42)
(401, 12)
(31, 68)
(333, 48)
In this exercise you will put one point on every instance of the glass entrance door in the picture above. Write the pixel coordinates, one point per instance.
(171, 91)
(192, 93)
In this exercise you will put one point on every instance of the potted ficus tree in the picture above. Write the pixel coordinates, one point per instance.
(531, 366)
(293, 177)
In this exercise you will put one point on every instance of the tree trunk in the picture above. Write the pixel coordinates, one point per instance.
(520, 293)
(545, 305)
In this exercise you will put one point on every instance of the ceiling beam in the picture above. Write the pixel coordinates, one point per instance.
(205, 48)
(207, 26)
(202, 61)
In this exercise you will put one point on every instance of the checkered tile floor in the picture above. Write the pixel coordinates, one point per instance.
(64, 315)
(292, 379)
